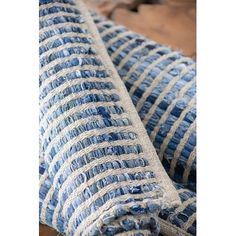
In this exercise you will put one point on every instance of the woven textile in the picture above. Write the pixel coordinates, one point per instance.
(162, 85)
(173, 221)
(100, 172)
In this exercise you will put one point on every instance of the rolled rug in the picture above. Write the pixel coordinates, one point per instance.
(162, 86)
(173, 221)
(99, 164)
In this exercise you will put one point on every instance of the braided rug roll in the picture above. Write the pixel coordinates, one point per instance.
(99, 168)
(162, 85)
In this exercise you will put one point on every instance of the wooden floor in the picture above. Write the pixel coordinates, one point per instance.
(170, 22)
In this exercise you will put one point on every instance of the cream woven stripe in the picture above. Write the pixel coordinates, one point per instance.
(155, 82)
(110, 30)
(180, 147)
(61, 73)
(168, 229)
(88, 149)
(189, 163)
(142, 59)
(56, 4)
(81, 137)
(122, 47)
(62, 47)
(56, 14)
(78, 124)
(56, 27)
(171, 196)
(165, 91)
(43, 177)
(50, 51)
(131, 53)
(99, 214)
(133, 232)
(190, 221)
(182, 207)
(67, 99)
(88, 134)
(173, 129)
(55, 37)
(49, 66)
(150, 67)
(182, 190)
(71, 97)
(103, 21)
(166, 114)
(64, 86)
(71, 112)
(95, 179)
(116, 39)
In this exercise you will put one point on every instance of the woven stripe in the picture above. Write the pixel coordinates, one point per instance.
(167, 89)
(130, 54)
(92, 165)
(57, 4)
(190, 221)
(156, 81)
(183, 206)
(190, 161)
(60, 29)
(125, 45)
(71, 113)
(122, 35)
(108, 188)
(107, 205)
(174, 128)
(108, 31)
(136, 232)
(168, 229)
(180, 147)
(67, 73)
(147, 71)
(134, 66)
(78, 83)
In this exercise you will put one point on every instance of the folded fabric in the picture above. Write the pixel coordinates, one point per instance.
(173, 221)
(162, 85)
(101, 171)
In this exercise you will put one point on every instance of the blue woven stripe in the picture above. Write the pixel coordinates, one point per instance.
(99, 74)
(68, 64)
(60, 31)
(55, 9)
(61, 54)
(60, 19)
(75, 89)
(93, 98)
(104, 112)
(45, 2)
